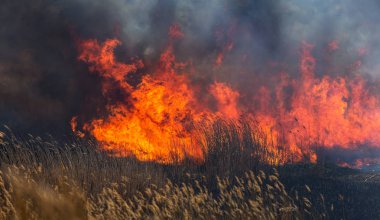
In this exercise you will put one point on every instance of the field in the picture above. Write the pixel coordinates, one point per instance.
(42, 178)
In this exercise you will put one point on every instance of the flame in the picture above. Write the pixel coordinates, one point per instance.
(331, 111)
(361, 163)
(74, 127)
(157, 121)
(227, 100)
(160, 125)
(323, 112)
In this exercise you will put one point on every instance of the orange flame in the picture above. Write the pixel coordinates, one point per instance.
(74, 127)
(227, 100)
(159, 123)
(164, 109)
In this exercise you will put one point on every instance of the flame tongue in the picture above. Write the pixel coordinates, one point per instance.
(159, 126)
(333, 111)
(158, 123)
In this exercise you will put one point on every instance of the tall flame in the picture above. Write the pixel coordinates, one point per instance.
(157, 120)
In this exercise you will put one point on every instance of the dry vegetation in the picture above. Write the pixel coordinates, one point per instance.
(45, 179)
(253, 196)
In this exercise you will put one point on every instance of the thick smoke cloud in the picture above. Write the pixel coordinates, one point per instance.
(43, 84)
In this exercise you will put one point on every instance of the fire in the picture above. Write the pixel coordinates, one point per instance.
(157, 120)
(74, 127)
(227, 100)
(159, 125)
(361, 163)
(332, 111)
(323, 112)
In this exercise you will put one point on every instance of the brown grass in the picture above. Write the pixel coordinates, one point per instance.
(46, 179)
(253, 196)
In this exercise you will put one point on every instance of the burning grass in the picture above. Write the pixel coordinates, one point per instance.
(42, 178)
(295, 110)
(149, 140)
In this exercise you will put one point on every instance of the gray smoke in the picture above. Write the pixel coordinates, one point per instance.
(42, 84)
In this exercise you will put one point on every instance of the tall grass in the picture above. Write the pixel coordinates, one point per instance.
(253, 196)
(42, 178)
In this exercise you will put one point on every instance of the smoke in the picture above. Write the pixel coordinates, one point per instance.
(352, 23)
(42, 83)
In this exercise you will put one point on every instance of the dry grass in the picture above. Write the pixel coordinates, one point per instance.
(45, 179)
(254, 196)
